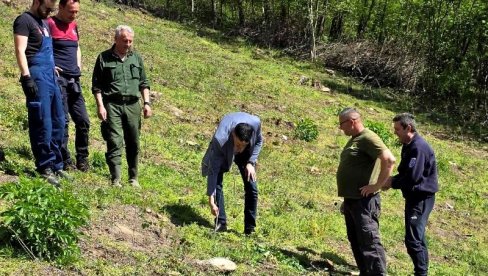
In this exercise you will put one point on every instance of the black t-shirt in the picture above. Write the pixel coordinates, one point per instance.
(28, 25)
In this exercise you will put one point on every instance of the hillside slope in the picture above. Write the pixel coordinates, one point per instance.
(197, 76)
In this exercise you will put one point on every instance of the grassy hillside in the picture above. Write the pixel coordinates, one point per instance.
(198, 76)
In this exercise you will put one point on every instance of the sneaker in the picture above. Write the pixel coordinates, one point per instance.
(116, 182)
(83, 165)
(64, 175)
(134, 183)
(50, 177)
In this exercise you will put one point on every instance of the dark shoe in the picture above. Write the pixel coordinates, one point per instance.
(50, 177)
(220, 227)
(69, 166)
(64, 175)
(248, 232)
(83, 165)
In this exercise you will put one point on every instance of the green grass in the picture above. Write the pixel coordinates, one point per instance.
(298, 224)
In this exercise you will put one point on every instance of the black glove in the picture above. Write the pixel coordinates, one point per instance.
(29, 87)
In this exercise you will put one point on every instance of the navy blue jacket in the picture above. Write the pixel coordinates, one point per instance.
(220, 153)
(417, 172)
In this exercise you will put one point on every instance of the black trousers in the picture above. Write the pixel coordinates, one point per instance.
(250, 195)
(74, 107)
(417, 213)
(362, 223)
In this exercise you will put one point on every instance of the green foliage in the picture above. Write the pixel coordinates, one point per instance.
(383, 132)
(306, 130)
(46, 220)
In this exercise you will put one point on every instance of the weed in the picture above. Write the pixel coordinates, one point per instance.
(306, 130)
(43, 220)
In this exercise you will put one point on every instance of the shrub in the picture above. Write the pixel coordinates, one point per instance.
(306, 130)
(43, 220)
(383, 132)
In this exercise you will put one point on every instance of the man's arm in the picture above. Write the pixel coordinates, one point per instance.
(78, 57)
(412, 172)
(97, 88)
(20, 42)
(387, 162)
(147, 102)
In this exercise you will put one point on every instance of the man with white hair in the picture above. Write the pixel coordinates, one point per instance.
(118, 82)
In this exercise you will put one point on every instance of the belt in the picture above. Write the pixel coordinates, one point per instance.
(118, 99)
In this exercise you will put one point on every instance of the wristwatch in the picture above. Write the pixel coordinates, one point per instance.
(147, 103)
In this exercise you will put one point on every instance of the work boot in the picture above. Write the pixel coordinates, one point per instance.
(83, 165)
(116, 183)
(50, 177)
(69, 166)
(134, 183)
(64, 175)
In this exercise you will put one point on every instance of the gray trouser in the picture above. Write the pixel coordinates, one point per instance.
(362, 225)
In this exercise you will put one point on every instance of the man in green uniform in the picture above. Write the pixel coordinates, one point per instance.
(365, 165)
(118, 82)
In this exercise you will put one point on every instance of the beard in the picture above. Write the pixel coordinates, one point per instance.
(43, 11)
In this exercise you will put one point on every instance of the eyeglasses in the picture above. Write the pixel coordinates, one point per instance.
(347, 120)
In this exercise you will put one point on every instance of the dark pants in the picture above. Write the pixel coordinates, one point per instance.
(123, 125)
(416, 215)
(250, 196)
(74, 106)
(362, 225)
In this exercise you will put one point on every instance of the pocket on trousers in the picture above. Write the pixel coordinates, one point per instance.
(34, 110)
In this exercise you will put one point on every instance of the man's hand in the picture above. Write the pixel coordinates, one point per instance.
(213, 207)
(251, 172)
(57, 70)
(369, 189)
(147, 111)
(29, 86)
(102, 113)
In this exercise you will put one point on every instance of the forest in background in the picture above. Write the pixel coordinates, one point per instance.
(433, 52)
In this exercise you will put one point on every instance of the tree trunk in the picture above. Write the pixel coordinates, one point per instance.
(240, 10)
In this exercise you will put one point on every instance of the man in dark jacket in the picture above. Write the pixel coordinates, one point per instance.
(238, 138)
(417, 179)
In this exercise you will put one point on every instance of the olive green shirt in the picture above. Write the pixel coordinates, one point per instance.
(359, 164)
(115, 77)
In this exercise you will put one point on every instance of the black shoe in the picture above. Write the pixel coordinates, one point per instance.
(248, 232)
(69, 166)
(50, 177)
(83, 165)
(220, 227)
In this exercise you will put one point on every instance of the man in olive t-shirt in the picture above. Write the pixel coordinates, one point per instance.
(365, 165)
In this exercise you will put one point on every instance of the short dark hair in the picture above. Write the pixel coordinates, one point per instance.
(406, 119)
(244, 132)
(64, 2)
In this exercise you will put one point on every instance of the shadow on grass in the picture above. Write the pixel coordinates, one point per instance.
(181, 215)
(327, 261)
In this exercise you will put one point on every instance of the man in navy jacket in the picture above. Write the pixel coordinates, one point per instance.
(237, 138)
(417, 179)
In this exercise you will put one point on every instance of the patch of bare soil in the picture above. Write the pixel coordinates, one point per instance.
(6, 178)
(117, 232)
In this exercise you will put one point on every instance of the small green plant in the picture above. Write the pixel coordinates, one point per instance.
(383, 132)
(306, 130)
(43, 220)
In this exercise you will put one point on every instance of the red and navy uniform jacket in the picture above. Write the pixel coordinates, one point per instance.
(417, 172)
(65, 44)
